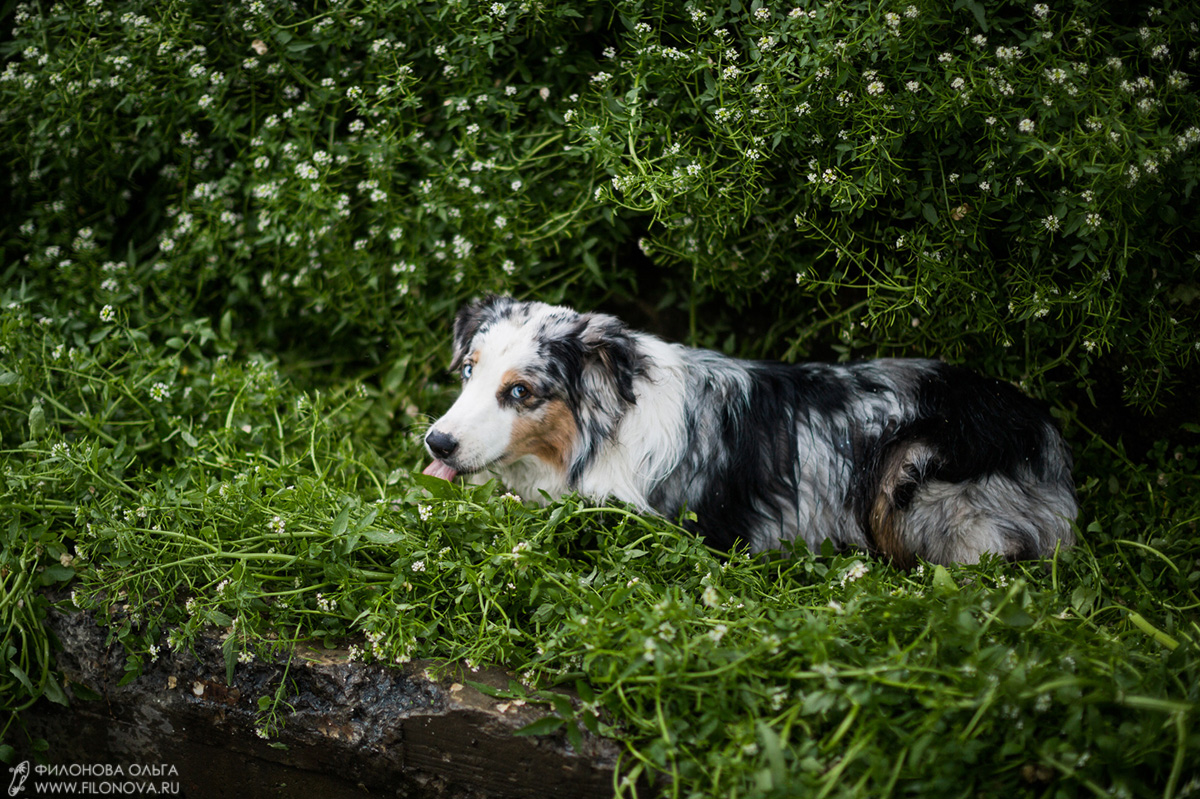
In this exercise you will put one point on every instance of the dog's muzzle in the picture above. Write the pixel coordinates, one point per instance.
(441, 445)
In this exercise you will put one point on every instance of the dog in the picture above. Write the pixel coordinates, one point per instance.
(912, 460)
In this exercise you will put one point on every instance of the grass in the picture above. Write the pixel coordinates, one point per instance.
(176, 486)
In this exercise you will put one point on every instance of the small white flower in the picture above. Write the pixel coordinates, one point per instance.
(856, 571)
(107, 314)
(1026, 126)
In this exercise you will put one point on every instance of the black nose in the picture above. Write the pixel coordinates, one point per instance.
(442, 445)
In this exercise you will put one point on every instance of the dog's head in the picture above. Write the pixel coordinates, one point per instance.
(538, 381)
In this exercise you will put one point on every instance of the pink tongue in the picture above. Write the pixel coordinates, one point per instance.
(440, 468)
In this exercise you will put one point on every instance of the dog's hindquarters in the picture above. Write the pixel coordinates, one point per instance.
(980, 469)
(915, 517)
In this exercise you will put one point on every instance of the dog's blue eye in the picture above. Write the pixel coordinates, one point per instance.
(466, 371)
(518, 391)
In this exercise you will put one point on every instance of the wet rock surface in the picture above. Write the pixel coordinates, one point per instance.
(351, 730)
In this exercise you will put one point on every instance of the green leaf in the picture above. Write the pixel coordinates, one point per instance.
(230, 650)
(57, 574)
(575, 737)
(366, 521)
(55, 693)
(493, 691)
(772, 747)
(37, 421)
(943, 581)
(219, 618)
(383, 536)
(436, 486)
(1013, 616)
(543, 726)
(21, 676)
(341, 522)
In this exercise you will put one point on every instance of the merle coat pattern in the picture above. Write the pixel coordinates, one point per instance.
(910, 459)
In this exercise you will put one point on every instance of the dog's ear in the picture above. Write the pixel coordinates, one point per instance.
(612, 352)
(468, 321)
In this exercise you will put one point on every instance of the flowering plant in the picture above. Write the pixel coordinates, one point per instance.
(1003, 184)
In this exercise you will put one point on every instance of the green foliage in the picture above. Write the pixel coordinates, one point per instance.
(237, 232)
(1003, 185)
(182, 489)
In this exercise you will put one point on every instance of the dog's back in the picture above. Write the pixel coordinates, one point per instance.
(908, 458)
